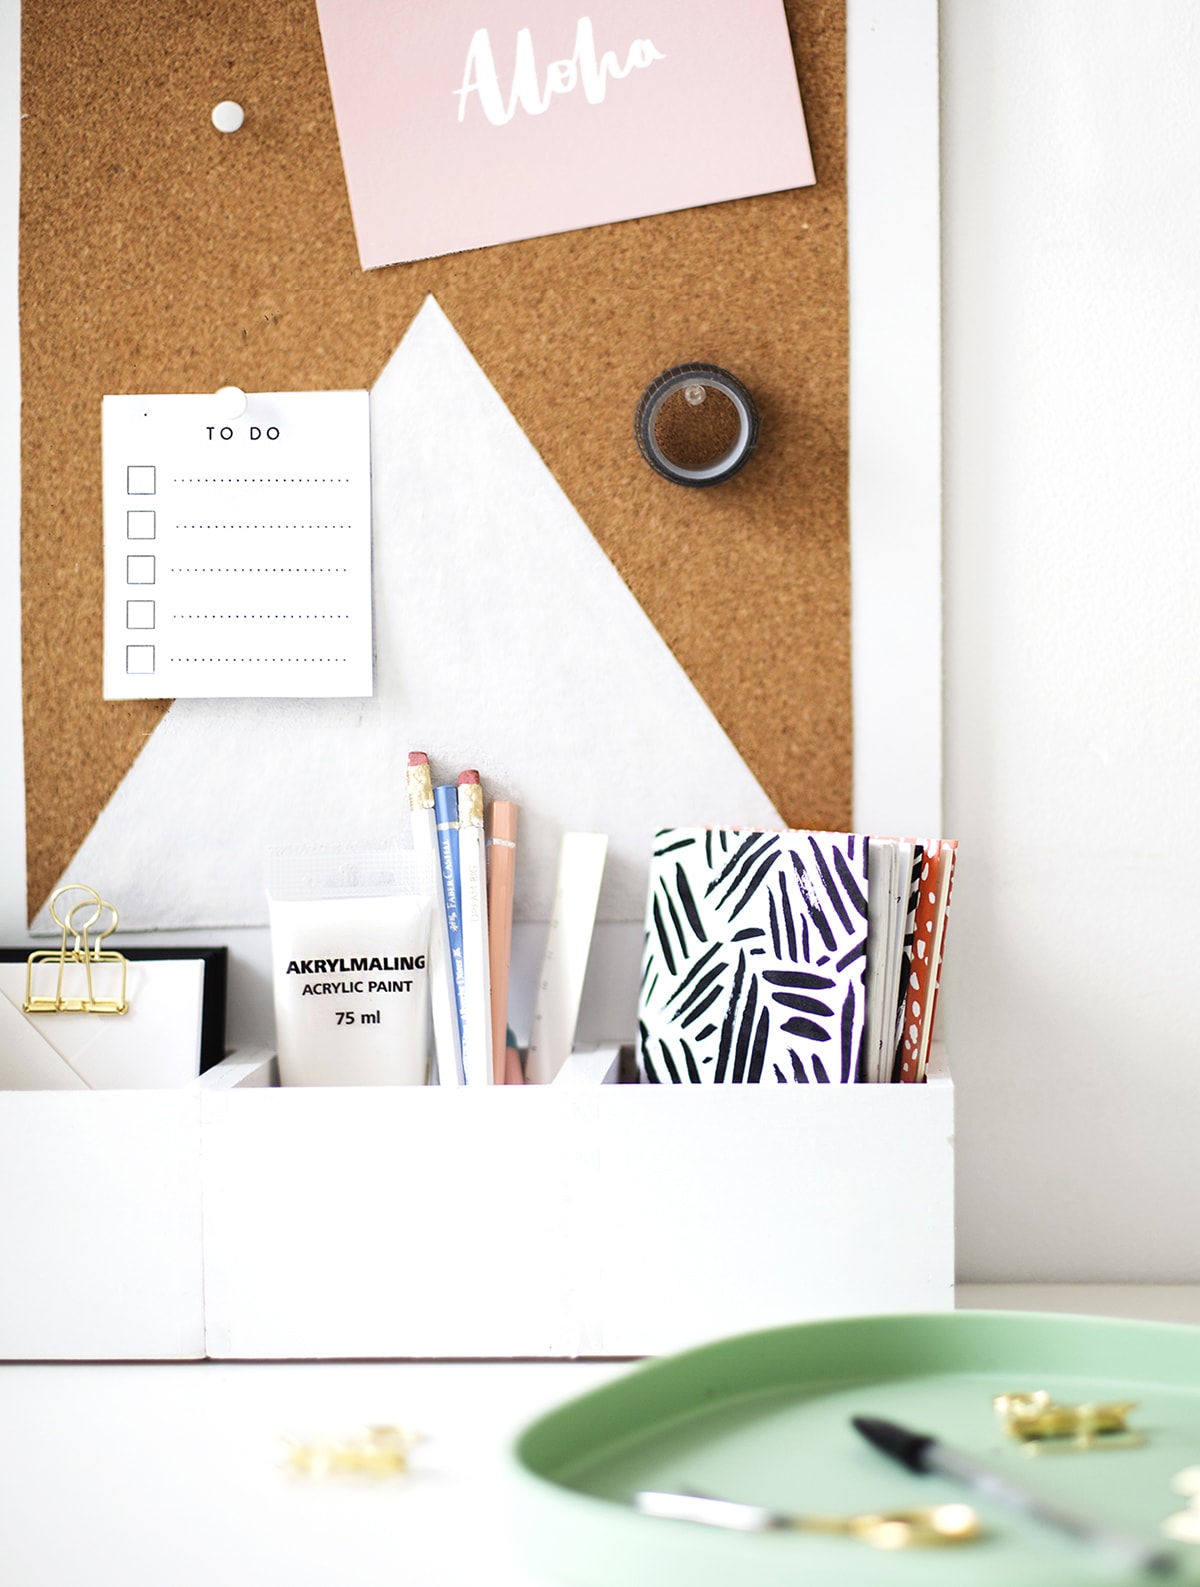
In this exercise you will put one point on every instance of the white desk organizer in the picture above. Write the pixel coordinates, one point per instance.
(238, 1220)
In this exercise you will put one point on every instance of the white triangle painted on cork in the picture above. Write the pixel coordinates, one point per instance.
(505, 640)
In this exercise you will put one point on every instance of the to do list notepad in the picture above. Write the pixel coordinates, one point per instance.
(237, 552)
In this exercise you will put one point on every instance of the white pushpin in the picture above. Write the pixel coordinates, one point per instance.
(231, 402)
(228, 116)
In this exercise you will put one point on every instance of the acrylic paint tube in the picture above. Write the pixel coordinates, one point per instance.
(349, 945)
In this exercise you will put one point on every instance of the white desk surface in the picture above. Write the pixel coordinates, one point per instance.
(165, 1475)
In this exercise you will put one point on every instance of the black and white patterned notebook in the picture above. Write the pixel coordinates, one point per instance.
(754, 958)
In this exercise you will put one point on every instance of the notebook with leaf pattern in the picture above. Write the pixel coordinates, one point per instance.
(754, 957)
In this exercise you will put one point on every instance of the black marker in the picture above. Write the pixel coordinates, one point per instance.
(921, 1453)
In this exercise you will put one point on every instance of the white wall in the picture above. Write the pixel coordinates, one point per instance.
(1071, 225)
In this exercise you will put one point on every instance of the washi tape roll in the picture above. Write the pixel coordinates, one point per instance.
(696, 424)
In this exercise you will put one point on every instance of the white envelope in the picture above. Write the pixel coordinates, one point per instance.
(27, 1060)
(155, 1045)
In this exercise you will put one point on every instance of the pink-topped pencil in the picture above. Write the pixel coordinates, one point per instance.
(441, 981)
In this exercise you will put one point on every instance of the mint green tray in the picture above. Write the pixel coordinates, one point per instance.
(765, 1418)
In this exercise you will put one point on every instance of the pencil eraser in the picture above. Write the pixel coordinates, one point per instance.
(466, 777)
(418, 757)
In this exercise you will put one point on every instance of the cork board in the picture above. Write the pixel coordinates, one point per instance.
(158, 255)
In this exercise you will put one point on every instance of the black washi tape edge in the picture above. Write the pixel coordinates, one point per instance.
(673, 380)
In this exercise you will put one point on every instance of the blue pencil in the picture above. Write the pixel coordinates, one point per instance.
(445, 805)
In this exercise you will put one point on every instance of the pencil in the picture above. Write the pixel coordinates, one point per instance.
(501, 867)
(476, 1000)
(445, 809)
(441, 986)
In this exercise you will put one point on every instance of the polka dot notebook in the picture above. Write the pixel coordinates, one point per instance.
(928, 946)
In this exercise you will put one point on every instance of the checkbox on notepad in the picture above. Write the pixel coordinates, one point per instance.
(139, 658)
(139, 614)
(139, 479)
(139, 570)
(139, 524)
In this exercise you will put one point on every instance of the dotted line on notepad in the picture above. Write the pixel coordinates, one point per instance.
(267, 526)
(258, 658)
(263, 617)
(264, 480)
(259, 570)
(330, 526)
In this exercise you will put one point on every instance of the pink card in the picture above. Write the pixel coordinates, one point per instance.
(465, 123)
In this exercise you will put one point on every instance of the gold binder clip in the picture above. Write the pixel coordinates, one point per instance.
(380, 1451)
(1044, 1425)
(77, 957)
